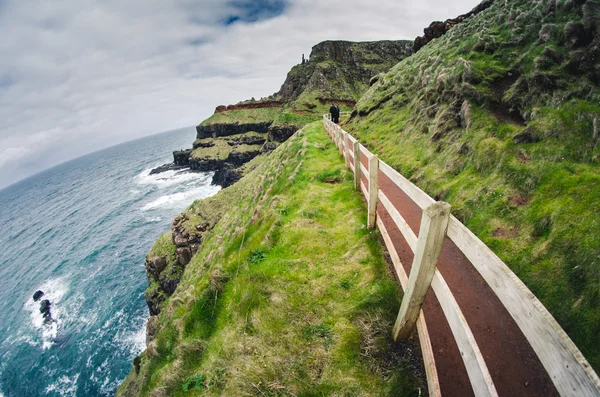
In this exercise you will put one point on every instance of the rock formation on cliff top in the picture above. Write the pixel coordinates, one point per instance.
(337, 71)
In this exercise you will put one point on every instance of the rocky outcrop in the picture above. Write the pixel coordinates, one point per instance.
(281, 133)
(438, 29)
(167, 167)
(226, 177)
(180, 157)
(227, 129)
(37, 295)
(165, 268)
(340, 70)
(45, 310)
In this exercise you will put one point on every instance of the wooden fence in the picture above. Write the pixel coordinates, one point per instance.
(568, 370)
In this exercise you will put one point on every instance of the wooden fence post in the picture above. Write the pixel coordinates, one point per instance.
(347, 149)
(434, 224)
(357, 171)
(373, 189)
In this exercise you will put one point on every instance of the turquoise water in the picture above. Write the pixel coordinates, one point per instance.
(80, 232)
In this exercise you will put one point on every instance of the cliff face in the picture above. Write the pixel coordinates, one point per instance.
(340, 71)
(337, 71)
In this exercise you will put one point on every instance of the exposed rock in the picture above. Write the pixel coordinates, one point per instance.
(154, 299)
(45, 310)
(528, 135)
(281, 133)
(156, 264)
(181, 157)
(203, 143)
(170, 281)
(167, 167)
(184, 255)
(438, 29)
(269, 147)
(206, 164)
(336, 64)
(45, 306)
(151, 328)
(217, 130)
(226, 177)
(37, 295)
(242, 154)
(248, 140)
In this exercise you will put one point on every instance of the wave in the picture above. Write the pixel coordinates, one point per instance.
(171, 178)
(64, 386)
(54, 290)
(176, 200)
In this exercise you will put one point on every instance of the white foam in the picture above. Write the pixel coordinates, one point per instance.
(177, 200)
(64, 386)
(134, 341)
(54, 290)
(169, 178)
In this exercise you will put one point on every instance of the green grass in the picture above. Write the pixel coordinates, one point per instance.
(289, 294)
(243, 116)
(536, 205)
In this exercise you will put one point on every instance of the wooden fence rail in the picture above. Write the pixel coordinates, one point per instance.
(568, 370)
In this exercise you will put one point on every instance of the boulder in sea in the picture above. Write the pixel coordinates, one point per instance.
(45, 310)
(45, 306)
(37, 295)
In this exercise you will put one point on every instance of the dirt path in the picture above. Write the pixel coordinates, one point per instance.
(513, 365)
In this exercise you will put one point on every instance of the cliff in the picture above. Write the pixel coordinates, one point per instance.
(286, 293)
(499, 117)
(337, 71)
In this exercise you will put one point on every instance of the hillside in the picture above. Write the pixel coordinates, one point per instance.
(288, 293)
(337, 71)
(499, 117)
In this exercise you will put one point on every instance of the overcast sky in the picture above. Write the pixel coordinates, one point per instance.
(80, 75)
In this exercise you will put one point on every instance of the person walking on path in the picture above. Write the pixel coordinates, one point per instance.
(334, 111)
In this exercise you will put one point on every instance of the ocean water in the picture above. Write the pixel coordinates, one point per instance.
(80, 232)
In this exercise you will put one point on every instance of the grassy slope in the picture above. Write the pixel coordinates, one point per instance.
(536, 205)
(241, 116)
(288, 295)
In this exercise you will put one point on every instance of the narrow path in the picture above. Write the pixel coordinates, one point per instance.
(514, 367)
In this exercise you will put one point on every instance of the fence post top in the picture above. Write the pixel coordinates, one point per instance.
(439, 208)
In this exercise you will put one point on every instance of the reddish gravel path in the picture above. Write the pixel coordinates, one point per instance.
(513, 365)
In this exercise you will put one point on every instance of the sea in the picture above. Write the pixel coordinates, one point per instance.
(79, 232)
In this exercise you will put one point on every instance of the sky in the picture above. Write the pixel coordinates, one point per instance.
(77, 76)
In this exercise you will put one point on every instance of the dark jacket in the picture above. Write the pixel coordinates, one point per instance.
(334, 111)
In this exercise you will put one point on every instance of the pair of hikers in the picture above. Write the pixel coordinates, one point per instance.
(334, 111)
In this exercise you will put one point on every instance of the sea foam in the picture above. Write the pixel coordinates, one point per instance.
(54, 290)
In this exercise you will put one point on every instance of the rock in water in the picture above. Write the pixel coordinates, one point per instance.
(45, 310)
(167, 167)
(38, 294)
(45, 307)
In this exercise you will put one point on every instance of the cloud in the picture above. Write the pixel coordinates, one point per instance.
(80, 75)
